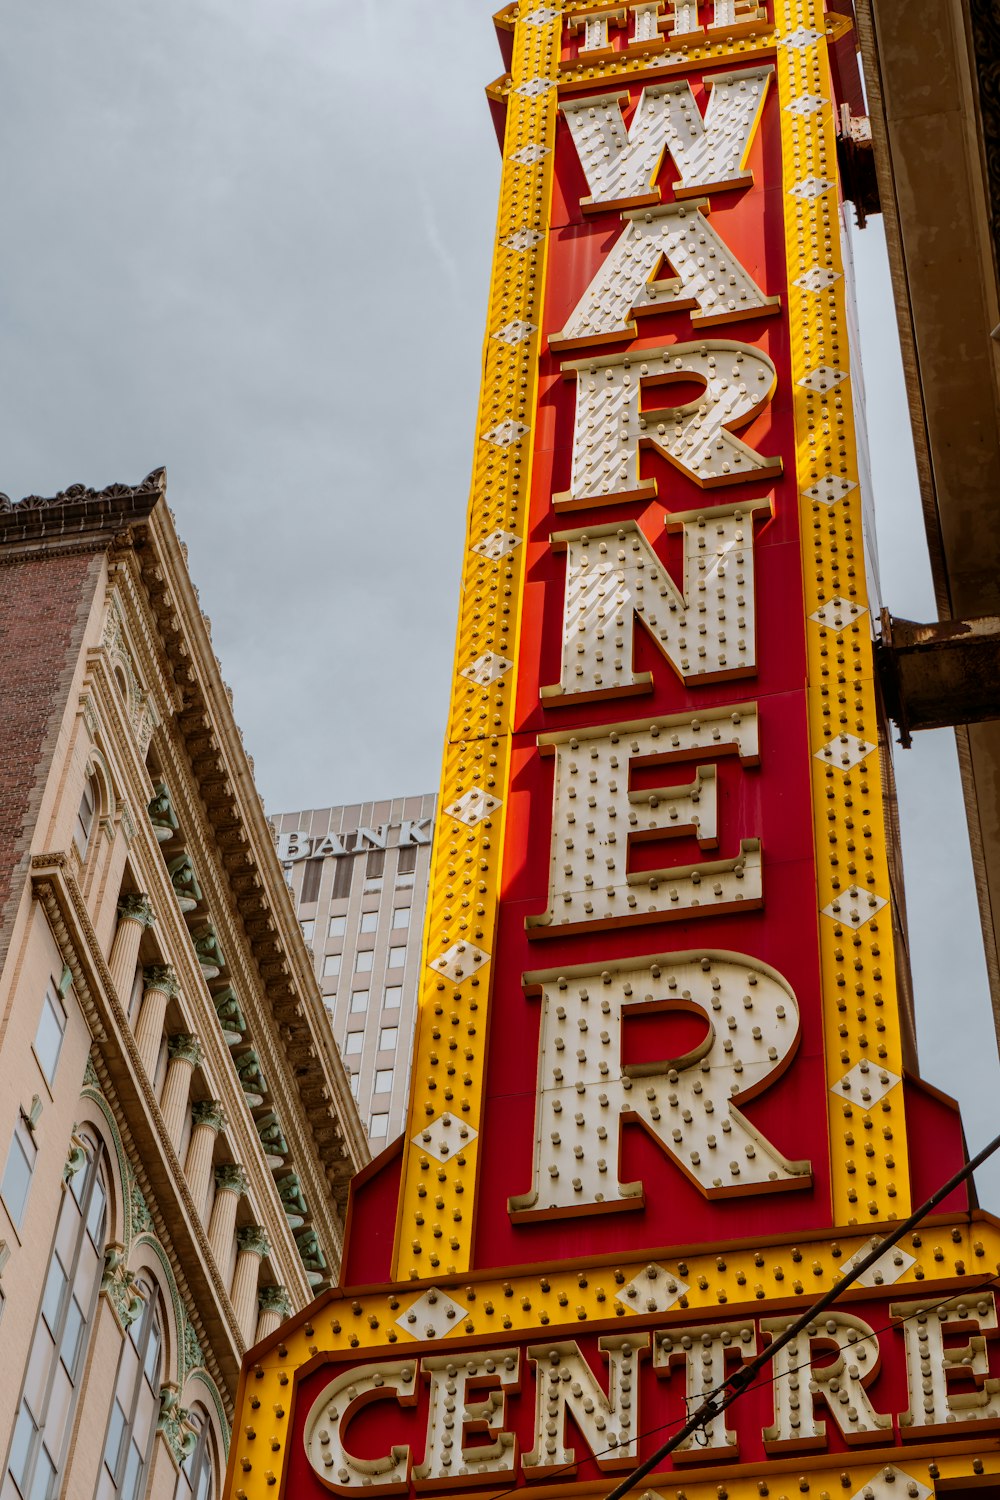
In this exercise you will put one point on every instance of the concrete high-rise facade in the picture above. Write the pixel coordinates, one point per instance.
(359, 876)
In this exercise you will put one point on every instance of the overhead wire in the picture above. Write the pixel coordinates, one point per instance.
(718, 1400)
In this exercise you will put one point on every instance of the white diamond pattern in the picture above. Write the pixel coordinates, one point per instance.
(505, 433)
(459, 961)
(845, 751)
(498, 544)
(523, 239)
(528, 155)
(444, 1137)
(837, 614)
(817, 280)
(854, 907)
(487, 668)
(803, 37)
(811, 187)
(654, 1290)
(515, 332)
(432, 1315)
(887, 1269)
(891, 1483)
(540, 17)
(865, 1084)
(823, 378)
(473, 806)
(535, 86)
(805, 104)
(830, 489)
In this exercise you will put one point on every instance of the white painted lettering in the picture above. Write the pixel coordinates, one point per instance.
(565, 1383)
(840, 1381)
(707, 1355)
(451, 1417)
(613, 578)
(597, 817)
(688, 1104)
(932, 1366)
(696, 436)
(710, 152)
(707, 277)
(330, 1417)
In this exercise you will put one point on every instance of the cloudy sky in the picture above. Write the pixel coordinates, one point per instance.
(251, 240)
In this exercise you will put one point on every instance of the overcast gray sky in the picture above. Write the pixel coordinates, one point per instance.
(251, 240)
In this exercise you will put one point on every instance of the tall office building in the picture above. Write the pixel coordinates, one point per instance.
(359, 877)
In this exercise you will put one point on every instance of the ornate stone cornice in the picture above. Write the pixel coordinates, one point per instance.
(79, 512)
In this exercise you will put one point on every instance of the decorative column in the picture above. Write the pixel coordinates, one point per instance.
(253, 1246)
(230, 1184)
(161, 986)
(184, 1051)
(207, 1120)
(134, 915)
(274, 1306)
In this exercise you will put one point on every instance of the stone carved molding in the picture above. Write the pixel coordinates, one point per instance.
(152, 487)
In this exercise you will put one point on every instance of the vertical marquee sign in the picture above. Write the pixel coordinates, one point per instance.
(660, 1097)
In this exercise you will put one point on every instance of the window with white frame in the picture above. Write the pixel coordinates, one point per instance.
(331, 966)
(359, 1002)
(50, 1033)
(354, 1044)
(383, 1081)
(196, 1479)
(363, 961)
(378, 1127)
(369, 921)
(338, 926)
(135, 1406)
(62, 1331)
(401, 916)
(388, 1038)
(17, 1173)
(393, 997)
(308, 929)
(85, 816)
(397, 958)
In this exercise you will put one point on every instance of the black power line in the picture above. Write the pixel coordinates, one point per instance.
(734, 1386)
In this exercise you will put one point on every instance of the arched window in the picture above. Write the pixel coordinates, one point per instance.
(62, 1332)
(128, 1446)
(86, 814)
(196, 1480)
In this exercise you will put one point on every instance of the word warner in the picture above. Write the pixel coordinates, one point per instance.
(664, 1089)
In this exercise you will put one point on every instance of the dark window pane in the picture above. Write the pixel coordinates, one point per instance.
(342, 874)
(310, 881)
(407, 859)
(113, 1446)
(375, 864)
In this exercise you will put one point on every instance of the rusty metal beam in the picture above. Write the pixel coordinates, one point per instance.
(941, 674)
